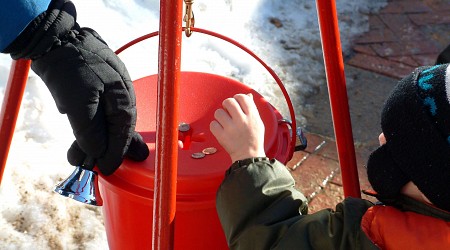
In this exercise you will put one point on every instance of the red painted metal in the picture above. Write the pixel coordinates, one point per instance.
(248, 51)
(128, 193)
(334, 65)
(169, 60)
(10, 108)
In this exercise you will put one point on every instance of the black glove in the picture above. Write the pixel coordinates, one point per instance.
(88, 82)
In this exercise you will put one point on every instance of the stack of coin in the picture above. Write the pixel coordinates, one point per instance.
(206, 151)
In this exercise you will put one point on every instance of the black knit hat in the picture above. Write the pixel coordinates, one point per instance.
(416, 123)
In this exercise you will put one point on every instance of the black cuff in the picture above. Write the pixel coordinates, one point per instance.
(44, 31)
(245, 162)
(248, 161)
(24, 38)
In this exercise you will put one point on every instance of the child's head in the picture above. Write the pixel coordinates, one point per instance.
(416, 123)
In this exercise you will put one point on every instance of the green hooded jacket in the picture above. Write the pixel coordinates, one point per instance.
(259, 208)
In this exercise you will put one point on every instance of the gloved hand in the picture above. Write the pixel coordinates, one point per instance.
(88, 82)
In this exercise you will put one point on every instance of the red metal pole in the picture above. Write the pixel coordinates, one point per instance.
(166, 129)
(334, 66)
(10, 108)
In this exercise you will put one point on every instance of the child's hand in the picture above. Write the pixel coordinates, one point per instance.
(239, 128)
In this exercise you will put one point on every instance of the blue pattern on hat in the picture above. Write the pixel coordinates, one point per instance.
(429, 101)
(423, 82)
(430, 69)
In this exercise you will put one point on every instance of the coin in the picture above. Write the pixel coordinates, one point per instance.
(209, 151)
(198, 155)
(183, 127)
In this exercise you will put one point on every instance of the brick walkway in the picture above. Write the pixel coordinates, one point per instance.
(317, 173)
(403, 35)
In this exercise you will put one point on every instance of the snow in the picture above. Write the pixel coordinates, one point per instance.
(33, 217)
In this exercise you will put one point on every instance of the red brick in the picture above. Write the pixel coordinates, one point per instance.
(310, 175)
(329, 150)
(314, 141)
(361, 174)
(431, 18)
(381, 65)
(377, 36)
(438, 5)
(362, 178)
(410, 34)
(397, 22)
(405, 48)
(376, 23)
(330, 196)
(404, 59)
(428, 59)
(406, 7)
(297, 159)
(363, 153)
(392, 7)
(365, 49)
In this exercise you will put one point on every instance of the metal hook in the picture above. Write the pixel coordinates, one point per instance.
(189, 17)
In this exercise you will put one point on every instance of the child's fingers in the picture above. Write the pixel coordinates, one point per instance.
(245, 102)
(223, 117)
(232, 106)
(215, 128)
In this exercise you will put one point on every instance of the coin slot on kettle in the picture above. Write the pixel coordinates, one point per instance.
(186, 136)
